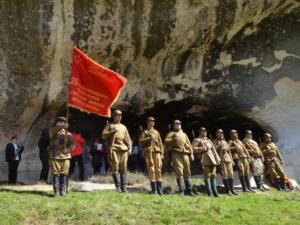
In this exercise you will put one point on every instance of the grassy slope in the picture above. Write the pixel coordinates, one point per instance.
(113, 208)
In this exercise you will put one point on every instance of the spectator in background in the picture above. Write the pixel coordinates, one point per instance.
(13, 154)
(76, 155)
(95, 152)
(43, 144)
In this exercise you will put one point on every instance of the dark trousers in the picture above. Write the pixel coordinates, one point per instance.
(45, 170)
(106, 164)
(97, 170)
(13, 171)
(79, 160)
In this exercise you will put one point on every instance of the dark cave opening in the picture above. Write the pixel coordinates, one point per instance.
(91, 125)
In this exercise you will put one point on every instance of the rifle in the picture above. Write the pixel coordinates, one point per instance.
(148, 155)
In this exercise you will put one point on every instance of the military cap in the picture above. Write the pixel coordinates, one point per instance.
(248, 132)
(117, 112)
(267, 135)
(202, 129)
(14, 136)
(233, 132)
(176, 122)
(61, 119)
(219, 131)
(150, 118)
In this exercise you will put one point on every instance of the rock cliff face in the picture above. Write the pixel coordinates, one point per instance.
(219, 63)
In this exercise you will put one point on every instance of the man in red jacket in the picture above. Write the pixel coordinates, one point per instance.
(76, 155)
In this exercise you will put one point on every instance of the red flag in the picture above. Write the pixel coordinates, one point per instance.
(93, 88)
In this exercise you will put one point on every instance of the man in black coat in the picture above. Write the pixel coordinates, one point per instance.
(13, 154)
(43, 144)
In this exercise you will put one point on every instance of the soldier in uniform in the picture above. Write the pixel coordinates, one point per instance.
(209, 161)
(241, 159)
(256, 160)
(61, 144)
(120, 145)
(226, 159)
(273, 161)
(151, 141)
(181, 153)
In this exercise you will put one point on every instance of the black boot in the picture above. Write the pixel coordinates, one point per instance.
(282, 184)
(226, 186)
(179, 183)
(208, 187)
(243, 183)
(55, 182)
(248, 184)
(62, 185)
(213, 183)
(258, 182)
(153, 187)
(278, 185)
(188, 187)
(116, 178)
(230, 183)
(158, 187)
(123, 182)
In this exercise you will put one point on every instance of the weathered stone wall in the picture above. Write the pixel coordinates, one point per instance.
(239, 55)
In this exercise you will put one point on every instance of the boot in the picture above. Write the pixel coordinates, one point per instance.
(258, 182)
(116, 178)
(208, 187)
(243, 183)
(230, 183)
(226, 186)
(62, 185)
(153, 187)
(179, 183)
(282, 184)
(123, 182)
(158, 187)
(55, 182)
(213, 183)
(248, 184)
(278, 185)
(188, 187)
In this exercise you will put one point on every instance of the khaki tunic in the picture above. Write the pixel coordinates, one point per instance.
(153, 150)
(256, 155)
(119, 143)
(224, 152)
(209, 158)
(180, 149)
(273, 160)
(59, 151)
(241, 156)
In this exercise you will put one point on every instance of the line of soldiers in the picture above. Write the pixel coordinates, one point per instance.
(210, 154)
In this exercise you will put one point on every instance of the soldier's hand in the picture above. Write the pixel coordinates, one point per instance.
(162, 156)
(192, 157)
(113, 130)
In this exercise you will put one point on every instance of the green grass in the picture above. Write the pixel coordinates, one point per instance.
(108, 207)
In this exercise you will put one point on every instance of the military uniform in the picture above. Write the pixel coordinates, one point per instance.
(209, 161)
(151, 141)
(61, 144)
(241, 158)
(117, 137)
(256, 161)
(181, 149)
(226, 164)
(273, 160)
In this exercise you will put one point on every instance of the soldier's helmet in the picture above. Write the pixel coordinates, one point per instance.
(117, 112)
(150, 118)
(232, 132)
(267, 135)
(219, 131)
(176, 122)
(202, 129)
(61, 119)
(248, 132)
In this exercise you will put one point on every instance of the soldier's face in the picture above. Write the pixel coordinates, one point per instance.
(203, 133)
(249, 136)
(151, 124)
(177, 126)
(60, 125)
(117, 118)
(268, 140)
(235, 136)
(220, 135)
